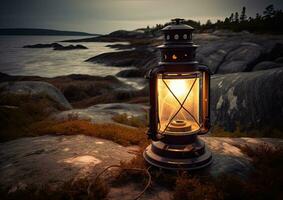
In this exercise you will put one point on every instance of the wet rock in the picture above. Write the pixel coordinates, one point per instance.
(266, 65)
(252, 99)
(69, 47)
(121, 58)
(35, 88)
(130, 73)
(85, 90)
(56, 46)
(52, 45)
(120, 46)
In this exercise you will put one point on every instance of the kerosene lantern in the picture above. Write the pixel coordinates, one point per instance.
(179, 104)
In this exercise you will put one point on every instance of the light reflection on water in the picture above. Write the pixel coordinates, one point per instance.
(46, 62)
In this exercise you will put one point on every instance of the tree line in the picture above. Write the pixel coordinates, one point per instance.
(270, 21)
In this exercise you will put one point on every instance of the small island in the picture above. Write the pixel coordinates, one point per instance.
(56, 46)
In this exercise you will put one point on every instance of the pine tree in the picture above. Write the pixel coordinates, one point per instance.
(243, 16)
(237, 17)
(231, 18)
(208, 22)
(269, 11)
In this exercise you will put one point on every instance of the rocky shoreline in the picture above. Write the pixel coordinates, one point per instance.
(242, 64)
(69, 117)
(238, 98)
(224, 52)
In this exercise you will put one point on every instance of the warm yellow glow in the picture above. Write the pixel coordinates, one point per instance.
(174, 57)
(179, 87)
(168, 105)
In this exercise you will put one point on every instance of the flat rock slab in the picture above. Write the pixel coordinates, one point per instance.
(103, 113)
(53, 159)
(228, 156)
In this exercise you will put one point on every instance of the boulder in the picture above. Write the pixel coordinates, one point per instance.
(130, 73)
(213, 60)
(241, 59)
(252, 99)
(52, 45)
(279, 60)
(85, 90)
(276, 51)
(56, 46)
(122, 58)
(35, 88)
(70, 47)
(266, 65)
(120, 46)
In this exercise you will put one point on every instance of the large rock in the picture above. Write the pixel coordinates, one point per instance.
(122, 58)
(213, 53)
(254, 99)
(53, 159)
(52, 45)
(35, 88)
(130, 73)
(84, 90)
(241, 59)
(70, 47)
(266, 65)
(228, 156)
(56, 46)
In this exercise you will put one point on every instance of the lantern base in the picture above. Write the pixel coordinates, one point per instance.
(178, 157)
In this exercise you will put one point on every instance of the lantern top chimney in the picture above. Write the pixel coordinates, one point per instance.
(178, 46)
(178, 24)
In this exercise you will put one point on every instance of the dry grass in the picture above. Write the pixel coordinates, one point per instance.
(17, 112)
(192, 188)
(264, 182)
(69, 190)
(119, 134)
(219, 131)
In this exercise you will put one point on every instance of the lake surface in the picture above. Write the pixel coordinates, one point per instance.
(46, 62)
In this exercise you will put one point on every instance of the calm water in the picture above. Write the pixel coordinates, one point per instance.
(46, 62)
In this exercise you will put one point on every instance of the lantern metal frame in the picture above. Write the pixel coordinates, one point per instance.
(177, 151)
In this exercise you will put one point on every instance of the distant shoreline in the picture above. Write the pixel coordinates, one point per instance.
(41, 32)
